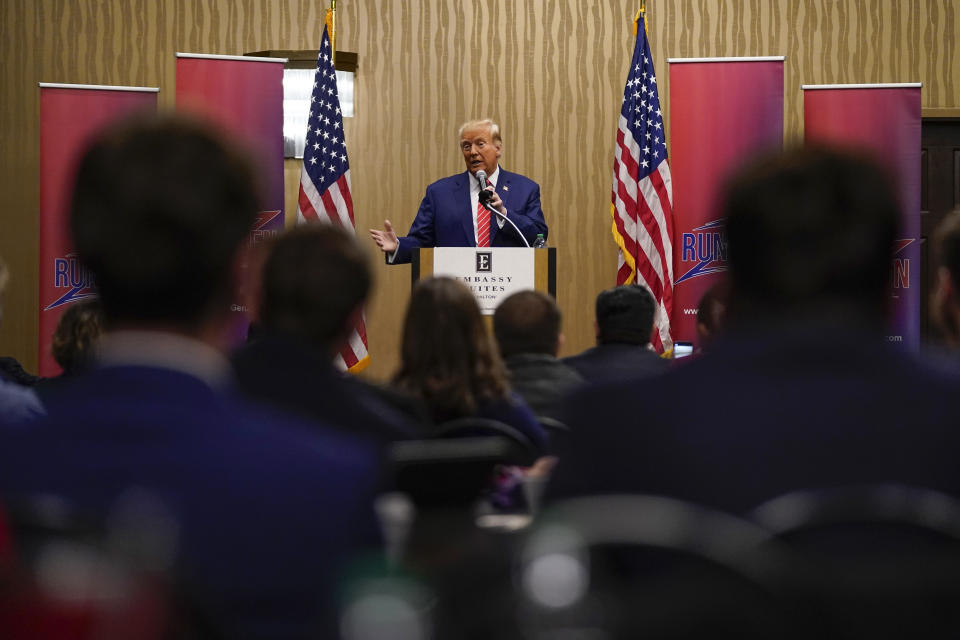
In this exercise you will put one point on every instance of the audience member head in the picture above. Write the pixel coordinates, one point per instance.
(527, 322)
(625, 315)
(76, 335)
(161, 208)
(946, 297)
(448, 358)
(321, 308)
(711, 314)
(810, 234)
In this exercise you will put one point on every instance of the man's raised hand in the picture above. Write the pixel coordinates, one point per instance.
(385, 239)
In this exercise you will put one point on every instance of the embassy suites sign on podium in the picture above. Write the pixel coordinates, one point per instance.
(490, 273)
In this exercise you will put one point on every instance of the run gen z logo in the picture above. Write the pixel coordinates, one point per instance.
(69, 274)
(900, 270)
(703, 251)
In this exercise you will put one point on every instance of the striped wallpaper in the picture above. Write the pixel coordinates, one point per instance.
(550, 71)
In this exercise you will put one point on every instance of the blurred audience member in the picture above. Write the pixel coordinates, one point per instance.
(12, 371)
(74, 344)
(315, 281)
(262, 510)
(945, 307)
(711, 315)
(449, 360)
(803, 390)
(76, 336)
(16, 402)
(527, 327)
(624, 322)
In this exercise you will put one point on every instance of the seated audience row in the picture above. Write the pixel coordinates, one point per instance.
(804, 390)
(267, 466)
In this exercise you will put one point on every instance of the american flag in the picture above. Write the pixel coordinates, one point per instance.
(642, 193)
(325, 180)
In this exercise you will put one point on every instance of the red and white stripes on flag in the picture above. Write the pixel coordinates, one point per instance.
(642, 198)
(325, 181)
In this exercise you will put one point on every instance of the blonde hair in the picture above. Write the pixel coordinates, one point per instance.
(487, 122)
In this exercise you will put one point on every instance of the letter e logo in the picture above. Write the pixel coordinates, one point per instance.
(484, 261)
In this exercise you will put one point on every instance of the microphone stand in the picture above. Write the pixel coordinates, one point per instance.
(486, 205)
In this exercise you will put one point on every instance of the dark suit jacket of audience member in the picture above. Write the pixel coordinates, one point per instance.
(18, 403)
(289, 374)
(12, 371)
(615, 361)
(268, 507)
(51, 386)
(765, 415)
(543, 381)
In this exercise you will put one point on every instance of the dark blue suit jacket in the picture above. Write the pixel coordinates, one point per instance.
(615, 361)
(764, 415)
(445, 219)
(267, 507)
(289, 373)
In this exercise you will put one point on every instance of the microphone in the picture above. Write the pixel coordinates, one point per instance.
(485, 194)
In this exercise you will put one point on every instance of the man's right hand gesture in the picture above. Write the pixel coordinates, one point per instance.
(386, 239)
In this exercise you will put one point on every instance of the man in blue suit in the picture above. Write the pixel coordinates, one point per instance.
(256, 509)
(449, 216)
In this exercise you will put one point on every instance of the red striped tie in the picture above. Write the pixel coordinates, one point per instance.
(483, 224)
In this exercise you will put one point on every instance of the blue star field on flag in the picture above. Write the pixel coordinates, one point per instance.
(325, 154)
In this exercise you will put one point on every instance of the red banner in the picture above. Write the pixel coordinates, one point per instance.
(723, 111)
(883, 120)
(69, 116)
(244, 96)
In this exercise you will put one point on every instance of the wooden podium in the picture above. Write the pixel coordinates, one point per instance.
(492, 273)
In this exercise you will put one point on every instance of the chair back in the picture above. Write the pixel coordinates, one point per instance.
(524, 453)
(637, 566)
(558, 431)
(880, 561)
(455, 467)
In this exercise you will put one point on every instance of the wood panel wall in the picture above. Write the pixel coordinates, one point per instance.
(550, 71)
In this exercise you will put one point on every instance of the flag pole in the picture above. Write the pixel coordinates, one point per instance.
(332, 22)
(641, 13)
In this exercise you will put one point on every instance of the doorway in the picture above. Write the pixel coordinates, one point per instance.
(939, 194)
